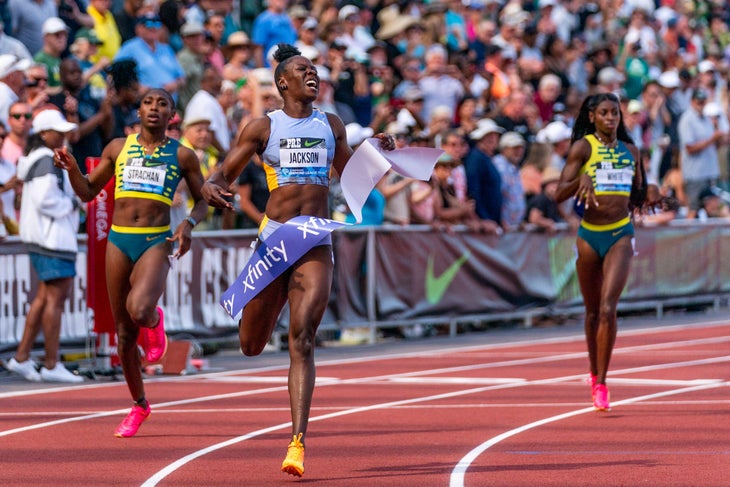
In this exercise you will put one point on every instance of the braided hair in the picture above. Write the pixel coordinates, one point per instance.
(283, 54)
(584, 126)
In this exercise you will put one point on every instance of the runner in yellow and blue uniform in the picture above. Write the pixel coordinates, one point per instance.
(602, 174)
(148, 167)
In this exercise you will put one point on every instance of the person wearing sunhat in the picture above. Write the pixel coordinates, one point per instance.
(49, 221)
(238, 52)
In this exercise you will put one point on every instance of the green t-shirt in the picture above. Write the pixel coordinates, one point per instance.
(53, 65)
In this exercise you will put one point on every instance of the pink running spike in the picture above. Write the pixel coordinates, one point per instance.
(133, 421)
(154, 340)
(601, 397)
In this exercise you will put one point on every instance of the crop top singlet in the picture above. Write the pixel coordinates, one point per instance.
(611, 169)
(153, 177)
(299, 151)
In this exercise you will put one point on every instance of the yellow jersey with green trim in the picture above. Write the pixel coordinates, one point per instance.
(153, 177)
(611, 169)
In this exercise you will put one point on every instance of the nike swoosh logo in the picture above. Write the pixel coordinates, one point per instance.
(437, 286)
(153, 237)
(166, 154)
(152, 163)
(616, 233)
(310, 143)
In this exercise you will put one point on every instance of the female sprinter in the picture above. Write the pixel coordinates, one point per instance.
(294, 191)
(603, 173)
(148, 167)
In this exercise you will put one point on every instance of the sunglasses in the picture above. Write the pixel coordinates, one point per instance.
(18, 116)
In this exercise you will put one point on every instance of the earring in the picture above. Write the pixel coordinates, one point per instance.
(283, 87)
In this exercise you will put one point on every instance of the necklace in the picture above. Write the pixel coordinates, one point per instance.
(610, 145)
(149, 151)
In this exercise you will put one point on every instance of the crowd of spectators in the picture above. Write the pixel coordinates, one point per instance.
(494, 83)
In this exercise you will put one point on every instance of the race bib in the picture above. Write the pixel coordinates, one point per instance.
(146, 175)
(303, 152)
(614, 177)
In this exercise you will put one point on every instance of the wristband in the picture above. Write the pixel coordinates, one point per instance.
(191, 221)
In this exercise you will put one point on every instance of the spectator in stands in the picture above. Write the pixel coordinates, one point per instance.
(513, 116)
(20, 116)
(157, 66)
(271, 27)
(49, 222)
(214, 26)
(106, 29)
(11, 45)
(547, 94)
(450, 210)
(36, 86)
(126, 19)
(123, 93)
(94, 118)
(253, 194)
(483, 180)
(711, 206)
(83, 48)
(12, 83)
(55, 42)
(192, 59)
(698, 141)
(27, 20)
(542, 210)
(605, 237)
(205, 101)
(238, 52)
(441, 82)
(9, 183)
(511, 152)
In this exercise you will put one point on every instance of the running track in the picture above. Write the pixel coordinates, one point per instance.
(499, 408)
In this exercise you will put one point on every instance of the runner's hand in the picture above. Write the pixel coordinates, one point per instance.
(216, 196)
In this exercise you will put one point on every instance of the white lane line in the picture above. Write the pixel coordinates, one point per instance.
(459, 472)
(171, 468)
(215, 397)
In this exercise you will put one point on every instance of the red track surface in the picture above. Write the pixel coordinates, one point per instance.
(506, 414)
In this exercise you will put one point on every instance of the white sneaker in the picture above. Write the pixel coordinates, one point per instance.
(59, 373)
(26, 369)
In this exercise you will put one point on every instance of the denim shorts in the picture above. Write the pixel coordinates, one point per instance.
(50, 268)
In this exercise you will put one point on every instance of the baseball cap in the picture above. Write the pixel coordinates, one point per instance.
(356, 133)
(712, 109)
(53, 25)
(150, 20)
(485, 126)
(511, 139)
(699, 94)
(669, 79)
(52, 120)
(191, 29)
(705, 66)
(347, 11)
(90, 35)
(10, 63)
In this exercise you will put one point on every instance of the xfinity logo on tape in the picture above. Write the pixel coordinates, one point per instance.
(278, 252)
(312, 226)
